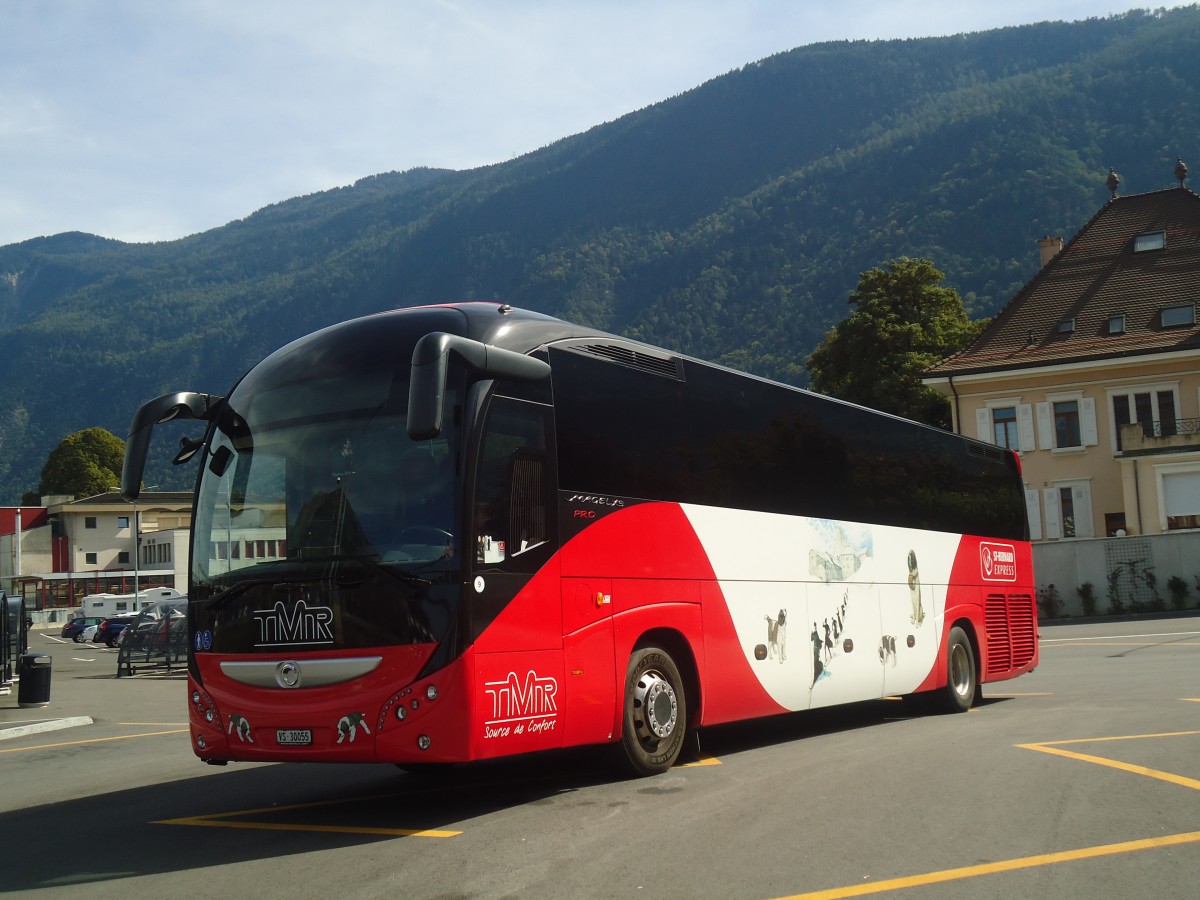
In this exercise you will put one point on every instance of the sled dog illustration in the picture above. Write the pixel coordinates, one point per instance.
(241, 725)
(349, 724)
(777, 636)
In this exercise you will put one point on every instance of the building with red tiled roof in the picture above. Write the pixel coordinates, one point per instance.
(1092, 372)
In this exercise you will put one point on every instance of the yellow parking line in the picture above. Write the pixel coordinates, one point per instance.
(216, 822)
(1007, 865)
(1052, 747)
(119, 737)
(236, 820)
(1042, 859)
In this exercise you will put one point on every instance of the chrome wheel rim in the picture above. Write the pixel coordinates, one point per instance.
(655, 708)
(960, 670)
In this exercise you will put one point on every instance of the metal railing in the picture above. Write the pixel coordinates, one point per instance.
(1168, 427)
(1158, 428)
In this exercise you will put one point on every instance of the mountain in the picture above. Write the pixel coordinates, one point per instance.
(730, 222)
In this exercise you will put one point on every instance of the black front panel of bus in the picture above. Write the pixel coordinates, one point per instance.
(715, 437)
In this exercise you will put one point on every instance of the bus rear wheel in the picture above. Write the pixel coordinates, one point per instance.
(655, 712)
(961, 678)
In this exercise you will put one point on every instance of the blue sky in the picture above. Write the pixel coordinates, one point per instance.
(147, 120)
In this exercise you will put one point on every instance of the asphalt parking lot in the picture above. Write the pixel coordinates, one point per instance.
(1080, 780)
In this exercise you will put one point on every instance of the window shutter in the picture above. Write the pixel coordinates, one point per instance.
(1087, 422)
(1025, 424)
(1033, 510)
(1045, 427)
(1053, 513)
(983, 425)
(1081, 499)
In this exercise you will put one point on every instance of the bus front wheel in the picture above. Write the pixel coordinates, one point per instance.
(961, 678)
(655, 712)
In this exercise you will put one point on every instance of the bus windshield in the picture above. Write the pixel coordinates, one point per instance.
(312, 494)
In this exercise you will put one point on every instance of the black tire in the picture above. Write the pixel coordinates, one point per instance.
(962, 681)
(78, 638)
(654, 721)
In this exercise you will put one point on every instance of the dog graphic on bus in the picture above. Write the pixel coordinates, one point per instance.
(240, 726)
(777, 636)
(349, 724)
(914, 589)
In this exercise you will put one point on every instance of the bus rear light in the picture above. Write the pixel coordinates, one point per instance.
(205, 708)
(423, 742)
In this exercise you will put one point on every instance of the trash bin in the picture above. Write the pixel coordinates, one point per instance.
(34, 671)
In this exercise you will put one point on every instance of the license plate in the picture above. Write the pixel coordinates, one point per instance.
(293, 737)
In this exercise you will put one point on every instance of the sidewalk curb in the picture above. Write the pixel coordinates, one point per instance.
(37, 727)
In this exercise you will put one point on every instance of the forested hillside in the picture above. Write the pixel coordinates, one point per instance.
(730, 222)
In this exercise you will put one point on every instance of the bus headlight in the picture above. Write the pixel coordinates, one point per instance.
(423, 742)
(431, 692)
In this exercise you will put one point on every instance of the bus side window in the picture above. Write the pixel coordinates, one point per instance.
(512, 487)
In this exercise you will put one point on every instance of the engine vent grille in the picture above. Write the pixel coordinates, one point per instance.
(1011, 623)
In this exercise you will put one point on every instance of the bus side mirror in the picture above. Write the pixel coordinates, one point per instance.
(179, 405)
(430, 364)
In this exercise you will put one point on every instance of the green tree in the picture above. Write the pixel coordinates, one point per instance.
(84, 464)
(904, 321)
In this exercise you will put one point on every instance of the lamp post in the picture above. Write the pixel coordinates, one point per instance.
(137, 553)
(137, 544)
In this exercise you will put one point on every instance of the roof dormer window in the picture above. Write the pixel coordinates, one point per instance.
(1116, 324)
(1175, 316)
(1066, 326)
(1149, 240)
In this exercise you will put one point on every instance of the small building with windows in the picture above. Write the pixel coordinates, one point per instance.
(1092, 373)
(55, 554)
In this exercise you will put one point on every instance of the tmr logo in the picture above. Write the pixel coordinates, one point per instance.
(302, 624)
(521, 707)
(998, 562)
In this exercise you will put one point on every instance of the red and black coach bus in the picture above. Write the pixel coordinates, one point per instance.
(456, 532)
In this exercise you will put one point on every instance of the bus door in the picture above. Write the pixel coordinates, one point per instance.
(513, 585)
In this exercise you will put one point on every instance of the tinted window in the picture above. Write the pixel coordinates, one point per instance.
(717, 438)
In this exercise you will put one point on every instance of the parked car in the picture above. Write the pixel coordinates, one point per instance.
(107, 631)
(75, 627)
(153, 625)
(87, 635)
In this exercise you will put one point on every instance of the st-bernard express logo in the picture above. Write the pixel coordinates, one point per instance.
(998, 562)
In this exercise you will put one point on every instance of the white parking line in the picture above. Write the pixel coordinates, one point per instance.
(1119, 637)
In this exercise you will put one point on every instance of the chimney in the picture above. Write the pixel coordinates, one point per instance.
(1049, 248)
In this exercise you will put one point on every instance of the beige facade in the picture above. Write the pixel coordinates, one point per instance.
(1092, 373)
(1085, 474)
